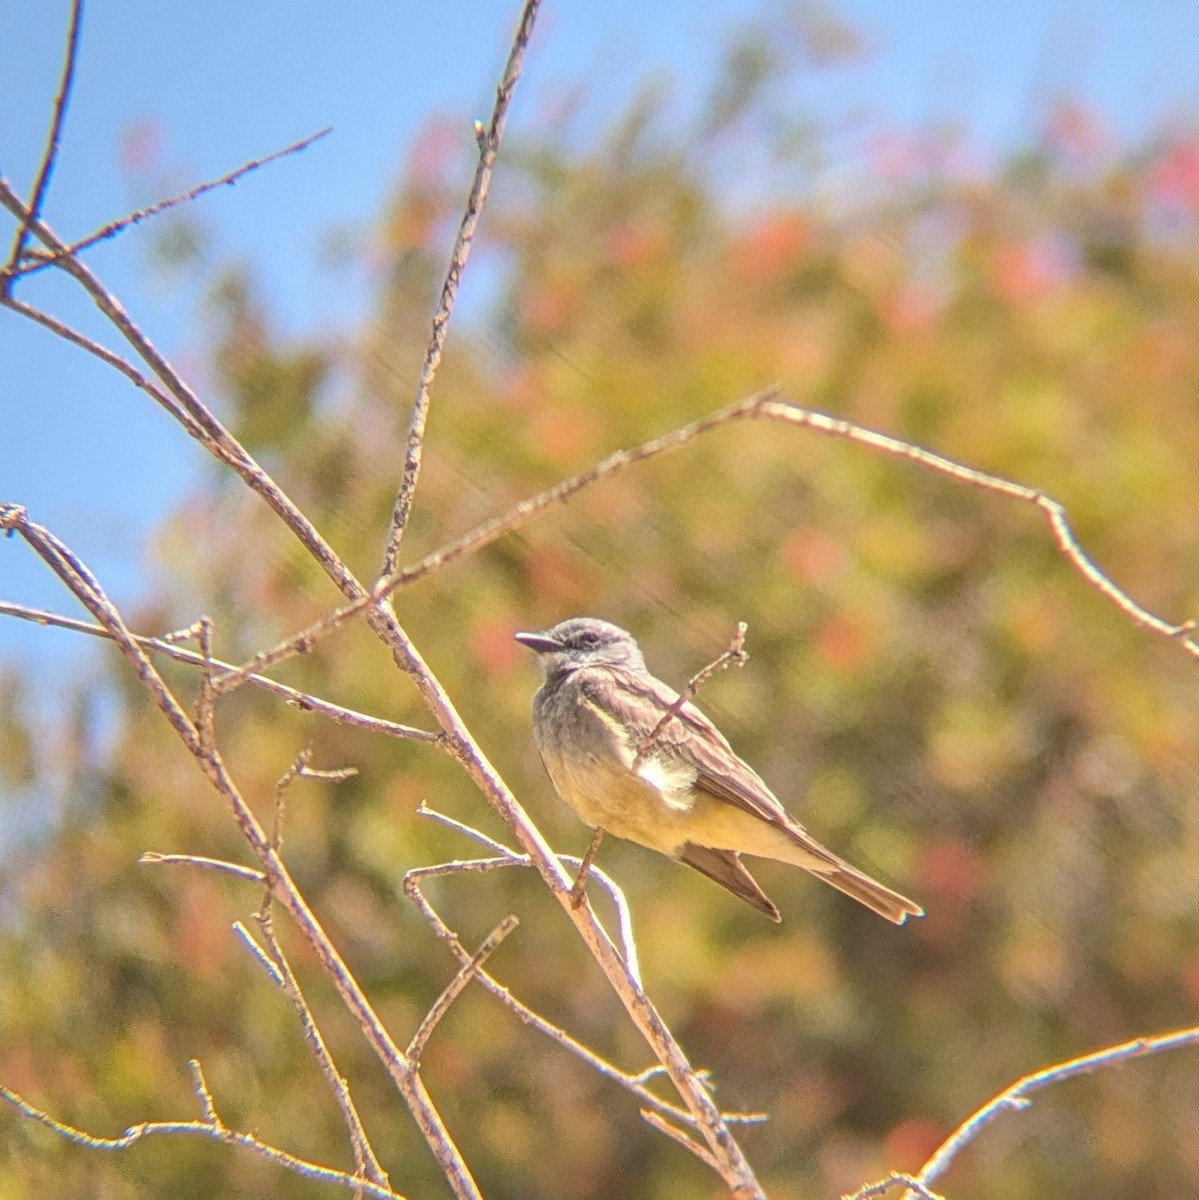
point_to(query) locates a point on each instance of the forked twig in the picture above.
(366, 1162)
(247, 874)
(83, 584)
(468, 971)
(662, 1125)
(210, 1126)
(624, 918)
(199, 422)
(301, 768)
(895, 1179)
(1015, 1097)
(763, 405)
(634, 1083)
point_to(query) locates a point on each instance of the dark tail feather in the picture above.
(726, 868)
(869, 892)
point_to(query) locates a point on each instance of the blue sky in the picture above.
(225, 82)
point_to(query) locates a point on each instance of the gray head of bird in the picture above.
(583, 642)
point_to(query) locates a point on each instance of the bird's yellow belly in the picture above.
(608, 795)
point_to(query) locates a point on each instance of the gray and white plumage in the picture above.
(691, 797)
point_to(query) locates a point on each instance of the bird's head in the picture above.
(583, 642)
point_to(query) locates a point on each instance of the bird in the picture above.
(682, 790)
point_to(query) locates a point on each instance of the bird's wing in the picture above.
(727, 869)
(638, 702)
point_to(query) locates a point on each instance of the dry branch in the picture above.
(210, 1126)
(80, 581)
(734, 654)
(1016, 1098)
(44, 260)
(297, 699)
(634, 1083)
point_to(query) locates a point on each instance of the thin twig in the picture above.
(106, 356)
(41, 184)
(204, 1128)
(115, 227)
(264, 960)
(181, 401)
(489, 144)
(578, 891)
(206, 700)
(451, 992)
(1015, 1097)
(895, 1179)
(295, 698)
(366, 1162)
(201, 424)
(247, 874)
(204, 1094)
(300, 769)
(734, 654)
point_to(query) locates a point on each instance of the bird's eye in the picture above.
(591, 639)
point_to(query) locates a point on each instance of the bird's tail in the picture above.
(867, 891)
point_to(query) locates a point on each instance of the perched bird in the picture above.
(685, 794)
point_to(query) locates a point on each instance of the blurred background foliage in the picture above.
(930, 687)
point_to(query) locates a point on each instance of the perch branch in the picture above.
(634, 1083)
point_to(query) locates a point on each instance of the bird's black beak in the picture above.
(541, 642)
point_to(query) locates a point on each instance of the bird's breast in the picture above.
(589, 756)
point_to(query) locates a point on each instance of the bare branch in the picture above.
(109, 357)
(183, 403)
(762, 405)
(264, 960)
(207, 1128)
(113, 228)
(300, 769)
(80, 581)
(1015, 1097)
(50, 155)
(734, 654)
(895, 1179)
(456, 986)
(207, 1104)
(366, 1161)
(634, 1083)
(578, 891)
(203, 425)
(489, 144)
(297, 699)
